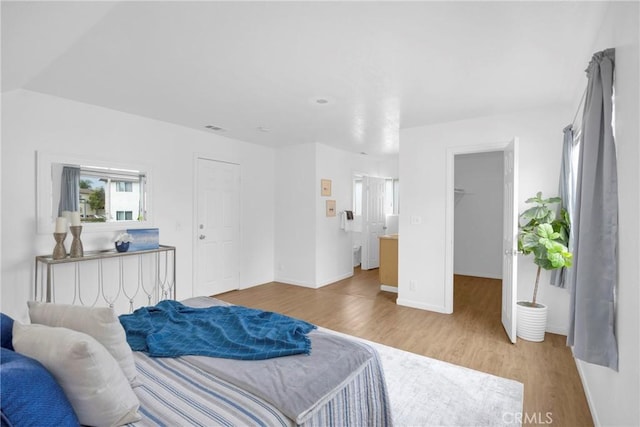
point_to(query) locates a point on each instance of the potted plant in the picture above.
(546, 237)
(122, 242)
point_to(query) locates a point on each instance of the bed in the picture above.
(339, 383)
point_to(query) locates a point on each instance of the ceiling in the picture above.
(262, 70)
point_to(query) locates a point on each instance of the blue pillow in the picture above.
(30, 395)
(6, 331)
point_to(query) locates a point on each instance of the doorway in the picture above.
(509, 229)
(373, 221)
(217, 227)
(478, 214)
(375, 209)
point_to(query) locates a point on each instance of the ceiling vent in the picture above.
(215, 128)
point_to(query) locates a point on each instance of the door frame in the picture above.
(450, 203)
(194, 220)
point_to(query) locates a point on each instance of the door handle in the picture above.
(511, 252)
(202, 237)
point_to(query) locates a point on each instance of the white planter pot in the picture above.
(532, 322)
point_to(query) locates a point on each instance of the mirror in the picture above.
(107, 195)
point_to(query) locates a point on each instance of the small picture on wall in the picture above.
(325, 185)
(331, 208)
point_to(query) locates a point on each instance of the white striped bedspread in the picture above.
(174, 392)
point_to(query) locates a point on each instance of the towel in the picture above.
(345, 224)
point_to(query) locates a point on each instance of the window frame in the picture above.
(48, 191)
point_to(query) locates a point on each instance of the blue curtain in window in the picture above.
(69, 190)
(594, 278)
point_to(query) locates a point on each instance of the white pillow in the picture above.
(90, 377)
(100, 322)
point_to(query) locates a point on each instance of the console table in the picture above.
(164, 285)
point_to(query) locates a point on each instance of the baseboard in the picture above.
(478, 274)
(335, 279)
(388, 288)
(252, 285)
(422, 306)
(587, 392)
(556, 329)
(288, 281)
(247, 286)
(304, 284)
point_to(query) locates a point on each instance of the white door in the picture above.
(217, 228)
(510, 240)
(372, 220)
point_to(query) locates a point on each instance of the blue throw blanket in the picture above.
(171, 329)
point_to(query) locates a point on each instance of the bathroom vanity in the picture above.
(389, 262)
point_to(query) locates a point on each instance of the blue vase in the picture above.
(122, 246)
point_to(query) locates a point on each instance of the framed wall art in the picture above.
(325, 187)
(331, 208)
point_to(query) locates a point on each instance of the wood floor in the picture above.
(472, 336)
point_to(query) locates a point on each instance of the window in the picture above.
(391, 200)
(98, 211)
(357, 197)
(124, 215)
(111, 195)
(124, 186)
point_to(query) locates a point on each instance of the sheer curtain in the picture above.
(595, 223)
(69, 190)
(559, 277)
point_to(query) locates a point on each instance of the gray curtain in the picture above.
(559, 277)
(69, 190)
(594, 280)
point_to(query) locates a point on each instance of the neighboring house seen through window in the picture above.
(124, 186)
(110, 195)
(124, 215)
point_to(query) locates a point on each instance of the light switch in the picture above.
(416, 219)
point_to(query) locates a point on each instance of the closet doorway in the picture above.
(466, 252)
(477, 243)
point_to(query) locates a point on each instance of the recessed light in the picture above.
(263, 129)
(363, 153)
(321, 100)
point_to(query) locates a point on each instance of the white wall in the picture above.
(32, 122)
(334, 255)
(478, 215)
(423, 174)
(614, 396)
(310, 248)
(295, 215)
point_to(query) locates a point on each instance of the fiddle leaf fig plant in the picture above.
(544, 236)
